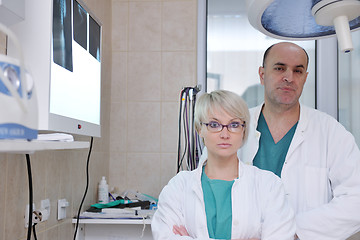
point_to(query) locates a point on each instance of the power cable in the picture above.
(34, 231)
(86, 188)
(30, 196)
(190, 150)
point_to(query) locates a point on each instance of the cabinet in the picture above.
(114, 229)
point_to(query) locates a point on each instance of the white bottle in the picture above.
(103, 193)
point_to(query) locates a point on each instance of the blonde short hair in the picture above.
(223, 100)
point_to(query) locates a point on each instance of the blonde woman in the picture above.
(223, 198)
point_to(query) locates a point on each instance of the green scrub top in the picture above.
(217, 198)
(271, 156)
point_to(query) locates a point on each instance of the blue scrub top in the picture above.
(217, 198)
(271, 156)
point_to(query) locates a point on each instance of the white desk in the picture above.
(114, 229)
(24, 146)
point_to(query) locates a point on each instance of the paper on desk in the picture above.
(117, 213)
(62, 137)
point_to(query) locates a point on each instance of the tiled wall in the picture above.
(153, 58)
(149, 55)
(57, 174)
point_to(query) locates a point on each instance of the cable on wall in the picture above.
(188, 154)
(86, 188)
(30, 196)
(34, 232)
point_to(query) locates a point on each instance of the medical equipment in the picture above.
(187, 133)
(306, 19)
(19, 116)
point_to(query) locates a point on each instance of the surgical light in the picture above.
(306, 19)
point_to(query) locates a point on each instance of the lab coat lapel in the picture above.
(198, 206)
(247, 152)
(298, 137)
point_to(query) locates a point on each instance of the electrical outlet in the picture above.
(39, 215)
(27, 215)
(45, 209)
(62, 205)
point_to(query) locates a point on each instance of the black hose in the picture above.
(30, 196)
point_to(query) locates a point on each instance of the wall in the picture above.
(149, 55)
(57, 174)
(153, 58)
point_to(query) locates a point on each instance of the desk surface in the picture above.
(112, 221)
(23, 146)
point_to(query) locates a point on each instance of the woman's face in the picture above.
(224, 143)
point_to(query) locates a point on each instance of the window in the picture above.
(349, 88)
(235, 51)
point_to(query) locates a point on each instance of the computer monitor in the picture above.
(61, 41)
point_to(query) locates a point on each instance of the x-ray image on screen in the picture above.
(80, 25)
(62, 39)
(94, 38)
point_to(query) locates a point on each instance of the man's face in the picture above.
(284, 74)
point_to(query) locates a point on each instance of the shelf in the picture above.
(24, 146)
(112, 221)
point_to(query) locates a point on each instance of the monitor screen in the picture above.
(61, 44)
(75, 64)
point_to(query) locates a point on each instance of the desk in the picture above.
(23, 146)
(113, 229)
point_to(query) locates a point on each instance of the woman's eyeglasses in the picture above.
(234, 127)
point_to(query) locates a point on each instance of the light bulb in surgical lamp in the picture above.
(306, 19)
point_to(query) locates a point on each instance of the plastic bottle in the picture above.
(103, 193)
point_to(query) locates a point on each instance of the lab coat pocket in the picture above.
(316, 186)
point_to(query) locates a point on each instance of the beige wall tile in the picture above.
(78, 173)
(3, 186)
(102, 144)
(106, 74)
(161, 61)
(39, 164)
(119, 76)
(145, 26)
(16, 195)
(169, 126)
(52, 187)
(168, 167)
(144, 76)
(52, 233)
(98, 169)
(65, 178)
(355, 237)
(120, 25)
(179, 26)
(145, 0)
(119, 127)
(144, 172)
(118, 173)
(143, 127)
(66, 230)
(179, 71)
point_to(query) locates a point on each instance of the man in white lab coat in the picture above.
(316, 158)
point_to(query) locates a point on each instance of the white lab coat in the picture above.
(321, 175)
(259, 207)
